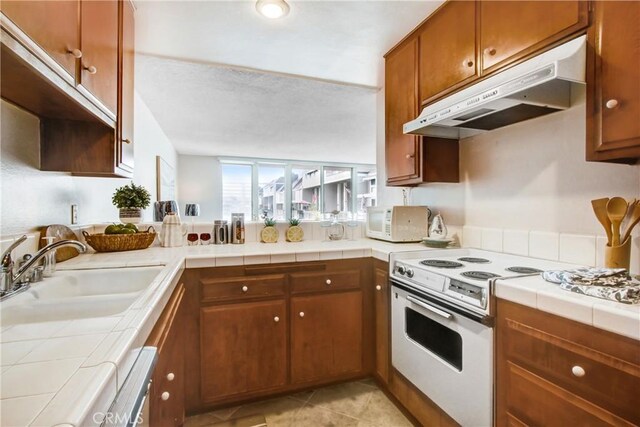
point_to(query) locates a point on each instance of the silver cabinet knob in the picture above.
(578, 371)
(302, 314)
(409, 156)
(165, 395)
(170, 376)
(245, 288)
(91, 69)
(467, 63)
(378, 287)
(612, 103)
(328, 281)
(76, 53)
(490, 51)
(276, 319)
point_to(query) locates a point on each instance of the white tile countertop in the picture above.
(62, 372)
(535, 292)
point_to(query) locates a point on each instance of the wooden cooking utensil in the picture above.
(616, 210)
(60, 232)
(634, 219)
(600, 209)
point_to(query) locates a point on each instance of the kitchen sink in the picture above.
(78, 294)
(79, 283)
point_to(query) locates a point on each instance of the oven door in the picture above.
(446, 354)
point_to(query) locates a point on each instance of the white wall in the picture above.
(200, 181)
(32, 198)
(530, 175)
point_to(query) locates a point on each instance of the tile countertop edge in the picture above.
(534, 292)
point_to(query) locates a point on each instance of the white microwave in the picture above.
(398, 223)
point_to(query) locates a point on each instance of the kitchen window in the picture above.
(305, 190)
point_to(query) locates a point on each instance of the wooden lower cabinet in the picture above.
(382, 305)
(166, 395)
(326, 336)
(244, 348)
(553, 371)
(258, 330)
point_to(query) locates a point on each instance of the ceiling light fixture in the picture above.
(272, 9)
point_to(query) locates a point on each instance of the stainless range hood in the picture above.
(538, 86)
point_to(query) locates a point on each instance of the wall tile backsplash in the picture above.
(570, 248)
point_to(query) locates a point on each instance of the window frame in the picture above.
(289, 165)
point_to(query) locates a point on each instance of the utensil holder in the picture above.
(618, 256)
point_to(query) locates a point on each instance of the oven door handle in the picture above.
(429, 307)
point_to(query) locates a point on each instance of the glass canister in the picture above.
(220, 232)
(336, 229)
(237, 228)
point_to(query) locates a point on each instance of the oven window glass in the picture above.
(436, 338)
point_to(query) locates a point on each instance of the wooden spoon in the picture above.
(600, 208)
(616, 210)
(634, 219)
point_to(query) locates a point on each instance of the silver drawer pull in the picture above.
(429, 307)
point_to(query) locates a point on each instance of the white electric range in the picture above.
(442, 324)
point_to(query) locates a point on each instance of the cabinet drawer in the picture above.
(324, 281)
(242, 287)
(603, 379)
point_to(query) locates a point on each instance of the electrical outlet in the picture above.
(74, 214)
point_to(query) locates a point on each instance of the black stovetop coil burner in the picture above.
(440, 263)
(523, 270)
(474, 260)
(479, 275)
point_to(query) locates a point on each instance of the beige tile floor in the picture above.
(358, 403)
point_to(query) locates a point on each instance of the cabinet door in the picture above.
(512, 29)
(448, 49)
(326, 336)
(402, 152)
(613, 82)
(243, 348)
(166, 395)
(382, 305)
(99, 69)
(126, 83)
(53, 25)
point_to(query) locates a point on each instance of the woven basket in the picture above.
(120, 242)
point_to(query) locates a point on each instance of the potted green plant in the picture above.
(294, 232)
(131, 200)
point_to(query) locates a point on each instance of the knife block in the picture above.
(618, 256)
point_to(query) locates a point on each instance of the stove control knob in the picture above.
(409, 273)
(401, 270)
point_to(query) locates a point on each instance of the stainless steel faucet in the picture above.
(11, 282)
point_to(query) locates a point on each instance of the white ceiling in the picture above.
(335, 40)
(222, 80)
(213, 110)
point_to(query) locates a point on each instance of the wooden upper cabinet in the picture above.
(613, 82)
(510, 30)
(447, 50)
(126, 86)
(402, 152)
(53, 25)
(99, 62)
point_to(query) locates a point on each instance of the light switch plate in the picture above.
(74, 214)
